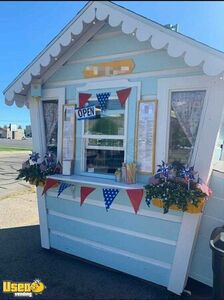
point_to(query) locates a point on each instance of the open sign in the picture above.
(86, 112)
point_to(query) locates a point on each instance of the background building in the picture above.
(14, 133)
(28, 131)
(3, 133)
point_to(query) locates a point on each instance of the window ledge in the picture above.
(218, 166)
(108, 183)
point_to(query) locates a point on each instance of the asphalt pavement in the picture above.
(10, 163)
(27, 143)
(67, 277)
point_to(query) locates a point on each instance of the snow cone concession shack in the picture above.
(119, 98)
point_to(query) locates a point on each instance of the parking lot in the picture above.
(18, 206)
(10, 163)
(26, 143)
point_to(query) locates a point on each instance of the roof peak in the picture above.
(99, 12)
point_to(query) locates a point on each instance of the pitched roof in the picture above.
(158, 36)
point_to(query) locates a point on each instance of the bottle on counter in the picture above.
(123, 172)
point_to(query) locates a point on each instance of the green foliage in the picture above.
(106, 125)
(174, 185)
(174, 192)
(36, 172)
(33, 174)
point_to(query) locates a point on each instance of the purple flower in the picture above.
(50, 159)
(25, 164)
(43, 167)
(34, 156)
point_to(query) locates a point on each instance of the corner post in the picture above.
(38, 146)
(184, 250)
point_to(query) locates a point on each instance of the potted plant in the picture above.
(36, 172)
(174, 187)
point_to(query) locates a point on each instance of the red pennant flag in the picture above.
(83, 98)
(85, 191)
(49, 184)
(136, 197)
(123, 95)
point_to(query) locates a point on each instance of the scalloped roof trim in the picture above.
(176, 44)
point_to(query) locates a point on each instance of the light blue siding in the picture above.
(113, 238)
(155, 61)
(142, 224)
(112, 259)
(109, 46)
(140, 245)
(144, 62)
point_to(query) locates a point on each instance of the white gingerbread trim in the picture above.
(176, 44)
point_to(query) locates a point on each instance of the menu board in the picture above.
(68, 132)
(146, 124)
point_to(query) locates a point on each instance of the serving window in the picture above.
(104, 138)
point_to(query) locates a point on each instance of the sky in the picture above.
(27, 27)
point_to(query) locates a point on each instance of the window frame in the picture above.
(165, 87)
(102, 85)
(112, 137)
(55, 94)
(193, 156)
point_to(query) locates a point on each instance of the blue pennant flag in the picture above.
(109, 196)
(103, 99)
(62, 187)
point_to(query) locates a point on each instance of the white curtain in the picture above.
(50, 111)
(187, 106)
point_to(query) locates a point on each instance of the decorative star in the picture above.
(188, 173)
(164, 169)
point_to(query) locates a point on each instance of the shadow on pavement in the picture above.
(66, 277)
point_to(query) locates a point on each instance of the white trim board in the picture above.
(44, 232)
(201, 158)
(183, 254)
(53, 94)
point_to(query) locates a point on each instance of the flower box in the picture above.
(34, 182)
(192, 209)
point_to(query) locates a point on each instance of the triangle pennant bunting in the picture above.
(83, 98)
(135, 197)
(62, 187)
(103, 99)
(123, 95)
(49, 184)
(84, 192)
(109, 196)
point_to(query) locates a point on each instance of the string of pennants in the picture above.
(109, 194)
(88, 111)
(104, 97)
